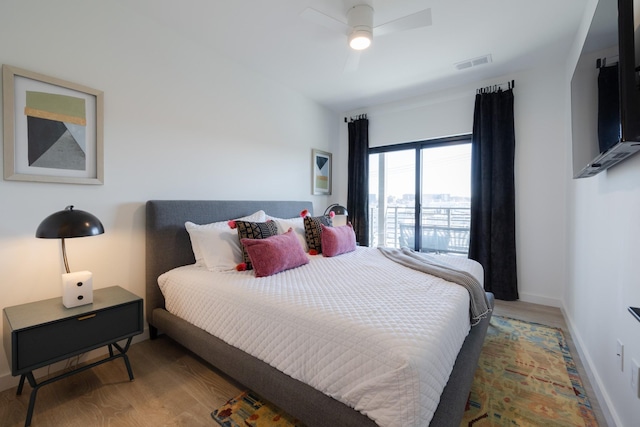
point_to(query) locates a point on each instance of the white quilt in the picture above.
(380, 337)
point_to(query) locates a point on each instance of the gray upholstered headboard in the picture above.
(167, 241)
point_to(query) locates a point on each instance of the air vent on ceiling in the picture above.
(486, 59)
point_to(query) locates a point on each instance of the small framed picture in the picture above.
(321, 172)
(53, 129)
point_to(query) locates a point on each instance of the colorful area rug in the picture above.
(249, 410)
(526, 377)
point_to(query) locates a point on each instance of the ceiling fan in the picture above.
(360, 30)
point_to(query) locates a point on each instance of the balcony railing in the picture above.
(444, 229)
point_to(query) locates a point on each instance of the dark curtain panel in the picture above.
(493, 224)
(358, 182)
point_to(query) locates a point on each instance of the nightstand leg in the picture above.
(32, 404)
(128, 365)
(20, 385)
(32, 399)
(32, 382)
(123, 353)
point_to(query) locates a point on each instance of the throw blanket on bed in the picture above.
(435, 266)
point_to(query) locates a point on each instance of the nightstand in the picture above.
(41, 333)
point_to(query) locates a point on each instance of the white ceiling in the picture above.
(270, 37)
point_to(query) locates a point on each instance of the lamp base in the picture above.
(339, 220)
(77, 289)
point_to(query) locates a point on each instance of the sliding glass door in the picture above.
(392, 196)
(446, 198)
(421, 189)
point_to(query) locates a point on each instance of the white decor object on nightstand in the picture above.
(77, 288)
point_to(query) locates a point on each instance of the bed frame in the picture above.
(168, 246)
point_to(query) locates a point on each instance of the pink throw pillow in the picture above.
(338, 240)
(275, 254)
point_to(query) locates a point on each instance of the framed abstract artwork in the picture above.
(321, 172)
(53, 129)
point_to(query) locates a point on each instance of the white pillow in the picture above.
(216, 245)
(298, 227)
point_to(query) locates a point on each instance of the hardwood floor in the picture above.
(173, 387)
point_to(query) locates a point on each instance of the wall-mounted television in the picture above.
(605, 90)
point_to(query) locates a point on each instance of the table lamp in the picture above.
(338, 211)
(77, 287)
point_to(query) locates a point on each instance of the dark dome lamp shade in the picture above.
(69, 223)
(336, 209)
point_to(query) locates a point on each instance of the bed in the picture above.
(168, 246)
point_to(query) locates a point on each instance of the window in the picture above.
(421, 189)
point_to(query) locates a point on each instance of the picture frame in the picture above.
(53, 129)
(321, 170)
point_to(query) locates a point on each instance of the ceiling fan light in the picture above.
(360, 39)
(360, 19)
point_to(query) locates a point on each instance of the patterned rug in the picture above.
(249, 410)
(526, 377)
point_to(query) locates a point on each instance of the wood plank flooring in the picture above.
(173, 387)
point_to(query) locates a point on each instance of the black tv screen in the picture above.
(609, 129)
(629, 48)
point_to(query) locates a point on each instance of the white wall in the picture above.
(180, 122)
(602, 280)
(539, 107)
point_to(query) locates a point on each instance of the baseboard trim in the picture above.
(8, 381)
(537, 299)
(611, 417)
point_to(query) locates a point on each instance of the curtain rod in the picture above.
(602, 62)
(497, 87)
(358, 117)
(487, 89)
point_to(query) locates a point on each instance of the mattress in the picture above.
(375, 335)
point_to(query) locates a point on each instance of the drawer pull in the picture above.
(89, 316)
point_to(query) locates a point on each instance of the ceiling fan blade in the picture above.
(326, 21)
(353, 60)
(409, 22)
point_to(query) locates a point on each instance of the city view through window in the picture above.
(444, 198)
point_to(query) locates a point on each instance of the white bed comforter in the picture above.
(375, 335)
